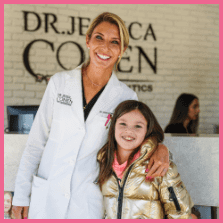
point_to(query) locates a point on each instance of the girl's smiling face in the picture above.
(7, 202)
(105, 45)
(130, 130)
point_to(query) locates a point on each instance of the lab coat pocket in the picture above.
(37, 209)
(103, 124)
(105, 121)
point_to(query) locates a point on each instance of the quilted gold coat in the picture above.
(136, 198)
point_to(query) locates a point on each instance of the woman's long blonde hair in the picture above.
(113, 19)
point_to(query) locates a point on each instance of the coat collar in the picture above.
(111, 92)
(74, 85)
(146, 150)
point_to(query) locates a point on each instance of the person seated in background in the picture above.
(185, 117)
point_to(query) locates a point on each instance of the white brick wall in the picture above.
(187, 42)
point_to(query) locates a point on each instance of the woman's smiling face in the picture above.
(105, 45)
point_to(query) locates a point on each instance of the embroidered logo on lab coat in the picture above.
(64, 99)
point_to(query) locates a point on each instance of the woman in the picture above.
(70, 127)
(185, 115)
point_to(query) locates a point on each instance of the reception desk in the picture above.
(197, 159)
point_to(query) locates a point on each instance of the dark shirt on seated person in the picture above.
(176, 128)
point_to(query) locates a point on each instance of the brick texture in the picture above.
(187, 43)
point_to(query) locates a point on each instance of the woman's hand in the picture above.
(19, 212)
(159, 163)
(193, 216)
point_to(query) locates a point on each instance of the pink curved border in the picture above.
(96, 2)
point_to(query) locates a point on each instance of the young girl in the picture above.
(122, 169)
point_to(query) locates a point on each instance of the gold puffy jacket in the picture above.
(136, 198)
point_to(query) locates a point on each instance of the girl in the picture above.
(185, 115)
(122, 162)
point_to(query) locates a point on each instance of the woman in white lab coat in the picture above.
(59, 166)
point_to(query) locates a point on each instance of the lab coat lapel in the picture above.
(111, 91)
(74, 83)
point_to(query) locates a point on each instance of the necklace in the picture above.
(93, 82)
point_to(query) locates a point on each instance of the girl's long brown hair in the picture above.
(107, 152)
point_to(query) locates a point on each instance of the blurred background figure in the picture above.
(7, 204)
(185, 117)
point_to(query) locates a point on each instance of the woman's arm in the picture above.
(34, 148)
(159, 158)
(19, 212)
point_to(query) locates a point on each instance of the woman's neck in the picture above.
(98, 75)
(185, 123)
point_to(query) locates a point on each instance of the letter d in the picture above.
(26, 21)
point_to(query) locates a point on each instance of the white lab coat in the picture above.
(59, 165)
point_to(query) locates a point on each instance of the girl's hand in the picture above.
(159, 163)
(19, 212)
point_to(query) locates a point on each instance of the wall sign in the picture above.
(49, 23)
